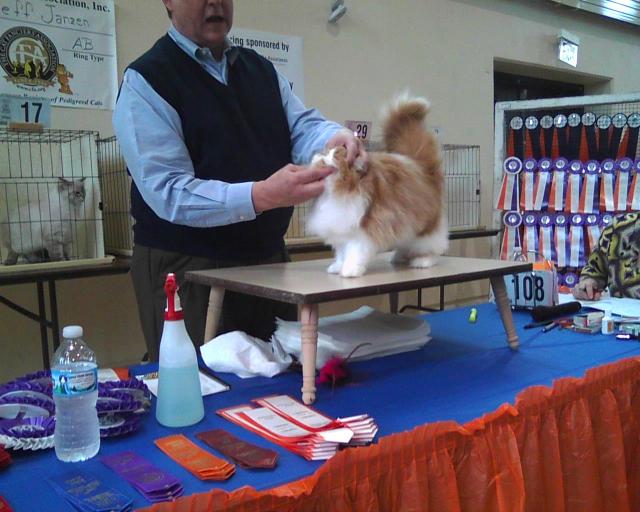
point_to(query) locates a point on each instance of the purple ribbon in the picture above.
(561, 163)
(512, 165)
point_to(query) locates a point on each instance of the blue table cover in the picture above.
(465, 371)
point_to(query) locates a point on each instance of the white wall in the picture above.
(444, 49)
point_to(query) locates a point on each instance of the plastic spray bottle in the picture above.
(179, 396)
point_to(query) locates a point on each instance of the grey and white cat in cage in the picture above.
(39, 227)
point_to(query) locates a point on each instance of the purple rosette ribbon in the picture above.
(608, 166)
(576, 167)
(509, 190)
(512, 165)
(23, 406)
(511, 235)
(576, 241)
(530, 164)
(545, 239)
(561, 163)
(117, 401)
(34, 427)
(606, 219)
(570, 279)
(607, 182)
(624, 167)
(561, 239)
(528, 182)
(589, 194)
(118, 424)
(572, 200)
(42, 377)
(592, 223)
(530, 241)
(545, 164)
(134, 387)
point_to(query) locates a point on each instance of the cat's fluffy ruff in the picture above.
(395, 203)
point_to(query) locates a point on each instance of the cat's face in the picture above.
(347, 176)
(74, 189)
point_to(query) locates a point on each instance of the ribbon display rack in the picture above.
(564, 167)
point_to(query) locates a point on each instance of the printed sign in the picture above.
(63, 50)
(14, 109)
(284, 52)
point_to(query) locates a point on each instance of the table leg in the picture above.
(44, 338)
(214, 310)
(55, 324)
(393, 302)
(309, 335)
(504, 308)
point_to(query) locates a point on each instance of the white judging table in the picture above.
(308, 284)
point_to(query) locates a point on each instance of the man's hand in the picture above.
(355, 148)
(291, 185)
(587, 289)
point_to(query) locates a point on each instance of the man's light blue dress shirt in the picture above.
(150, 136)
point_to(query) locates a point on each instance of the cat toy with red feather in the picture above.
(334, 371)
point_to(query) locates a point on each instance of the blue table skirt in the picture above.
(465, 371)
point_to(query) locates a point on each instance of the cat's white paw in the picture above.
(423, 261)
(334, 268)
(352, 270)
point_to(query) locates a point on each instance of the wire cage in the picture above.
(115, 183)
(461, 165)
(563, 168)
(49, 197)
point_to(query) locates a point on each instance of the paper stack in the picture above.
(338, 335)
(299, 428)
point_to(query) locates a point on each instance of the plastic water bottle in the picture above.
(75, 391)
(179, 394)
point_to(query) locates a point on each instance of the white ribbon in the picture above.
(606, 192)
(542, 182)
(634, 193)
(546, 249)
(561, 245)
(588, 193)
(527, 191)
(556, 200)
(622, 191)
(505, 199)
(593, 235)
(575, 243)
(572, 203)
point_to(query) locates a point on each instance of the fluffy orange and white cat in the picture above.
(395, 202)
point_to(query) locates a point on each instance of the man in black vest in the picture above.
(209, 131)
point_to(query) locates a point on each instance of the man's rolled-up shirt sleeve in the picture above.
(150, 136)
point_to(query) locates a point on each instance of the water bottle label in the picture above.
(74, 383)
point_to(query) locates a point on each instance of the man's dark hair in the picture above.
(168, 12)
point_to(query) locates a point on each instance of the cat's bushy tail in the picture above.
(404, 132)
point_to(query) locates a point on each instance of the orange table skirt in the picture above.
(570, 448)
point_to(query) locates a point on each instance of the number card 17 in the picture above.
(530, 289)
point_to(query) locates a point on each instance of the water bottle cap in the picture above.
(72, 331)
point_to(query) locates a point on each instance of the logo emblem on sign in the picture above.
(30, 59)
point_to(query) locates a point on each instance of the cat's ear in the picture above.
(62, 183)
(82, 179)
